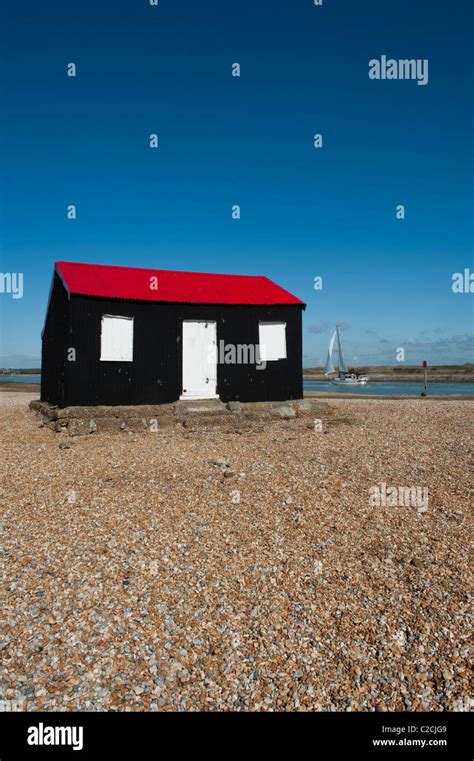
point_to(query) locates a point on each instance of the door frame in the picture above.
(189, 396)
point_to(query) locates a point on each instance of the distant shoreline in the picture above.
(382, 378)
(6, 373)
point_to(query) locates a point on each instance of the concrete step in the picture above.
(201, 407)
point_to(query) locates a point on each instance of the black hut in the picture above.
(123, 335)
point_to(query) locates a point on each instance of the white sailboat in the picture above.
(344, 377)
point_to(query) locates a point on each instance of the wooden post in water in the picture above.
(425, 369)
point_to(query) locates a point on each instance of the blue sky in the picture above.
(305, 212)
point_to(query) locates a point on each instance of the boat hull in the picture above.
(348, 383)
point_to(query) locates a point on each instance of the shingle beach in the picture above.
(241, 570)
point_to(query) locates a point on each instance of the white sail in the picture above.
(329, 363)
(342, 363)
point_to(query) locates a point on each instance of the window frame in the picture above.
(131, 320)
(261, 343)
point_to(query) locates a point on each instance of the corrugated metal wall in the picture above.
(155, 376)
(53, 349)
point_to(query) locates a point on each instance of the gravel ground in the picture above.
(224, 571)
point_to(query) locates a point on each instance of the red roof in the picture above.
(110, 282)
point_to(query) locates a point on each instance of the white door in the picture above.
(199, 360)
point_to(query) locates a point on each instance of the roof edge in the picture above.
(293, 300)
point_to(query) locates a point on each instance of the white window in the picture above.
(116, 339)
(272, 340)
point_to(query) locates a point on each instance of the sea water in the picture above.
(21, 378)
(390, 389)
(371, 389)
